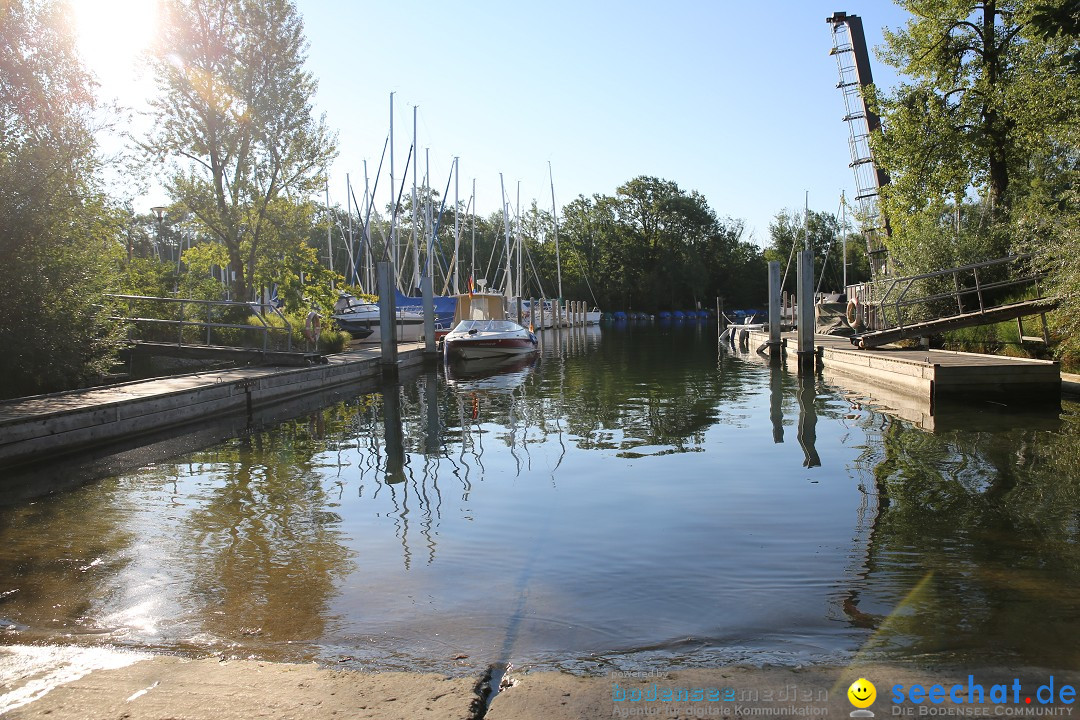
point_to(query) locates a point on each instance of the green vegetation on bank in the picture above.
(980, 140)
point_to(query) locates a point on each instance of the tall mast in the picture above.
(367, 234)
(457, 225)
(415, 228)
(472, 262)
(393, 215)
(329, 240)
(517, 233)
(429, 223)
(508, 289)
(555, 219)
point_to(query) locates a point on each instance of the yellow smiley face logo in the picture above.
(862, 693)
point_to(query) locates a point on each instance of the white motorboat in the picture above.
(362, 320)
(472, 339)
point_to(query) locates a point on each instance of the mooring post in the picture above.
(805, 310)
(387, 322)
(774, 308)
(427, 289)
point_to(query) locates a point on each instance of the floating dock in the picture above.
(45, 426)
(917, 380)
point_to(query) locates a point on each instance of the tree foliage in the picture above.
(58, 237)
(982, 125)
(790, 229)
(235, 120)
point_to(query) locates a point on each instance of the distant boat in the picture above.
(362, 319)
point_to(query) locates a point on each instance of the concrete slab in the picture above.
(151, 688)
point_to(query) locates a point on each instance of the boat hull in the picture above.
(471, 349)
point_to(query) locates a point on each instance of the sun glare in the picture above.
(112, 38)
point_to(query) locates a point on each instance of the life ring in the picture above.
(312, 326)
(852, 311)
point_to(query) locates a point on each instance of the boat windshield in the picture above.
(486, 326)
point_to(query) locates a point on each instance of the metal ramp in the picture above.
(967, 296)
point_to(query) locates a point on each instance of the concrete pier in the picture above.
(46, 426)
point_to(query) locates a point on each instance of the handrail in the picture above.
(895, 298)
(254, 308)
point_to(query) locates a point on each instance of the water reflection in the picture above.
(808, 420)
(626, 498)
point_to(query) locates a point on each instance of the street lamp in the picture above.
(159, 213)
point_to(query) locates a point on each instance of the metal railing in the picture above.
(893, 303)
(256, 310)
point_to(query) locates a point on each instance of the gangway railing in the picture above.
(181, 322)
(974, 294)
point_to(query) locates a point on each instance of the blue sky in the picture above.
(734, 101)
(737, 103)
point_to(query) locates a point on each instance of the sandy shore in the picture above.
(89, 684)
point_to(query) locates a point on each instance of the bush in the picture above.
(331, 339)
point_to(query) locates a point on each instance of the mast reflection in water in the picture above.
(628, 497)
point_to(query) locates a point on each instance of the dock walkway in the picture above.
(934, 374)
(46, 425)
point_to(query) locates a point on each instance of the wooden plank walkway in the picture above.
(935, 374)
(45, 425)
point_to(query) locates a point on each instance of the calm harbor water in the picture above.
(631, 498)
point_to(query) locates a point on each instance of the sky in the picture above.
(737, 103)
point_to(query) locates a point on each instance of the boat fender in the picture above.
(313, 326)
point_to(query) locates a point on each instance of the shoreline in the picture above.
(62, 682)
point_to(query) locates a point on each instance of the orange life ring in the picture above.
(313, 326)
(852, 311)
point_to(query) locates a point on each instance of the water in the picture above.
(631, 499)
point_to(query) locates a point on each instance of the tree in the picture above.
(59, 239)
(788, 230)
(235, 120)
(982, 123)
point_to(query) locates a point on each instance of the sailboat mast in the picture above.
(555, 219)
(368, 201)
(329, 238)
(508, 289)
(415, 229)
(428, 207)
(457, 224)
(472, 262)
(517, 233)
(393, 205)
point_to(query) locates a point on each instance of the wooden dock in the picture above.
(918, 379)
(45, 426)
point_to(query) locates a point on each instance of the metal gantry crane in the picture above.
(853, 64)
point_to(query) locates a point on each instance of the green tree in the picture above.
(980, 125)
(60, 242)
(235, 120)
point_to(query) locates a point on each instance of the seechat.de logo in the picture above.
(862, 694)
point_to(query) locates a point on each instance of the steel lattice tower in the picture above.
(853, 63)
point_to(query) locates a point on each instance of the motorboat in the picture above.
(471, 339)
(361, 319)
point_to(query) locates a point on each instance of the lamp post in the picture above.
(159, 213)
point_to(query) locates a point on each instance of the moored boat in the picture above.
(471, 339)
